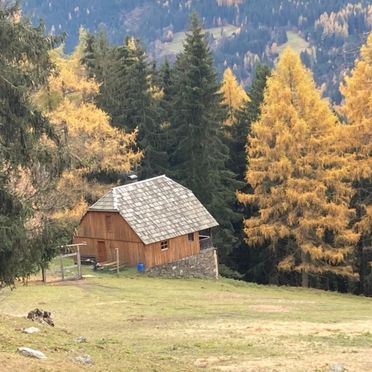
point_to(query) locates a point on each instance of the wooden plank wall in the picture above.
(116, 233)
(93, 225)
(178, 248)
(129, 253)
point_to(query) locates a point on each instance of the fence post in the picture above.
(117, 261)
(78, 259)
(216, 262)
(62, 269)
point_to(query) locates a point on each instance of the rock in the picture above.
(84, 359)
(81, 339)
(31, 330)
(337, 367)
(28, 352)
(41, 316)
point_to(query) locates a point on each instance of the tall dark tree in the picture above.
(97, 55)
(129, 95)
(24, 66)
(253, 264)
(247, 115)
(199, 155)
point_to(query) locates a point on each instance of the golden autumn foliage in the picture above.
(92, 143)
(357, 135)
(296, 170)
(234, 95)
(357, 108)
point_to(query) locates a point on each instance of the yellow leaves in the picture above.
(357, 88)
(73, 214)
(365, 224)
(156, 92)
(357, 108)
(288, 264)
(92, 143)
(71, 79)
(297, 172)
(234, 95)
(84, 117)
(246, 198)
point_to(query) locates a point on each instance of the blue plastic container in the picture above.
(141, 267)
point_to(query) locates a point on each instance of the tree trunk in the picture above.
(305, 279)
(43, 274)
(304, 274)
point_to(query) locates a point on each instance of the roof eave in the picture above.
(103, 210)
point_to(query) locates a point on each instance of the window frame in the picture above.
(164, 245)
(191, 237)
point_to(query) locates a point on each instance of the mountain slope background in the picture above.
(242, 33)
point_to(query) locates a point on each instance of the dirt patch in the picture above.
(320, 363)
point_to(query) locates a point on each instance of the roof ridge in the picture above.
(137, 182)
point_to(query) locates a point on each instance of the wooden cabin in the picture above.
(154, 222)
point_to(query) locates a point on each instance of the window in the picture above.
(108, 224)
(164, 245)
(190, 237)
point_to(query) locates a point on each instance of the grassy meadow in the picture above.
(295, 42)
(136, 323)
(176, 45)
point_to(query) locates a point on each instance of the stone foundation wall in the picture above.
(204, 265)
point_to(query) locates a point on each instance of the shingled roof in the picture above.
(157, 209)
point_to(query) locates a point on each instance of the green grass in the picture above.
(295, 41)
(176, 45)
(136, 323)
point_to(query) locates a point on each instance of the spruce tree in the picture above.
(296, 170)
(199, 155)
(253, 263)
(132, 102)
(25, 236)
(247, 114)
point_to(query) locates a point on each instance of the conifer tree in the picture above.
(93, 145)
(234, 95)
(247, 114)
(253, 263)
(134, 103)
(296, 171)
(24, 65)
(357, 140)
(199, 155)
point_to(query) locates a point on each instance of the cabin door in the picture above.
(101, 252)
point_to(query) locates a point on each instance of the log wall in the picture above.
(178, 248)
(105, 231)
(106, 226)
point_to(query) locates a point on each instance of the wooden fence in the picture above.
(66, 251)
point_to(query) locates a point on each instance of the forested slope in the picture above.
(334, 29)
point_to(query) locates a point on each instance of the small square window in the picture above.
(164, 245)
(191, 237)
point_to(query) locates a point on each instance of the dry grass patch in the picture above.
(139, 324)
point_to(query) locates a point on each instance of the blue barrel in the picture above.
(141, 267)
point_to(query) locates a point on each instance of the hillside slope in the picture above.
(138, 323)
(334, 29)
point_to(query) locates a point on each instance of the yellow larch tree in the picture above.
(357, 135)
(296, 171)
(234, 95)
(93, 145)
